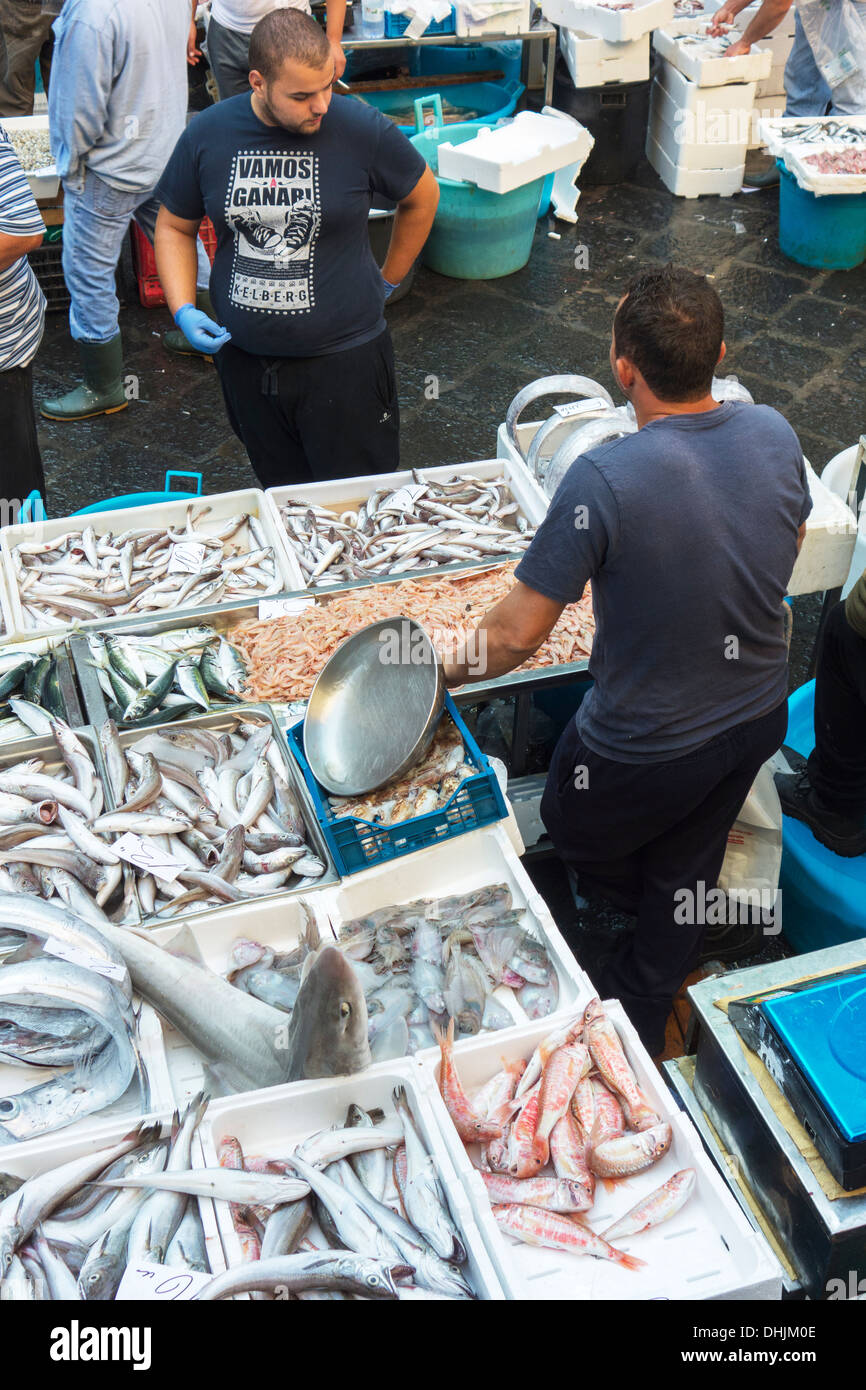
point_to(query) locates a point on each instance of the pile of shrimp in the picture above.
(285, 655)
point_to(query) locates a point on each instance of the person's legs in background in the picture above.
(806, 91)
(22, 467)
(228, 55)
(26, 31)
(96, 217)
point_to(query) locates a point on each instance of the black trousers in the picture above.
(21, 469)
(305, 419)
(837, 767)
(641, 833)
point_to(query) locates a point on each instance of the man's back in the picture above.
(689, 534)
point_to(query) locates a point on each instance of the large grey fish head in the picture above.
(377, 1277)
(332, 1018)
(99, 1280)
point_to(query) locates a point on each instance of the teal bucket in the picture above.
(827, 232)
(476, 235)
(34, 507)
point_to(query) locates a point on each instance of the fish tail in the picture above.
(627, 1261)
(609, 1184)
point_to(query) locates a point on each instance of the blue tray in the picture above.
(824, 1029)
(397, 24)
(358, 844)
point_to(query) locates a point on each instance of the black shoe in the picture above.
(844, 835)
(731, 941)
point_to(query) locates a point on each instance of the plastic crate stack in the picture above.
(701, 106)
(770, 91)
(150, 291)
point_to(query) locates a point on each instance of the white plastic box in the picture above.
(708, 111)
(593, 61)
(161, 514)
(671, 128)
(794, 153)
(772, 107)
(774, 85)
(709, 71)
(271, 1124)
(707, 1251)
(529, 147)
(28, 1161)
(831, 535)
(618, 26)
(692, 183)
(44, 182)
(511, 18)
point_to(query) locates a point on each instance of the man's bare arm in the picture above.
(507, 636)
(412, 223)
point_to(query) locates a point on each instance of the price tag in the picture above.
(160, 1284)
(283, 607)
(404, 498)
(146, 857)
(187, 557)
(582, 407)
(114, 970)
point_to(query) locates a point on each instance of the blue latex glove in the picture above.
(199, 330)
(389, 288)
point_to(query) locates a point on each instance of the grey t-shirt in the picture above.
(687, 532)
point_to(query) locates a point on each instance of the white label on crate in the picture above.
(404, 498)
(144, 855)
(582, 407)
(113, 969)
(283, 607)
(187, 557)
(160, 1283)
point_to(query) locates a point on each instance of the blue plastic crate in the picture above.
(358, 844)
(397, 24)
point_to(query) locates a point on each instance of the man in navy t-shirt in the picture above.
(687, 532)
(287, 174)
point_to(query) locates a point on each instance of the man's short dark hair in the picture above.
(671, 325)
(286, 34)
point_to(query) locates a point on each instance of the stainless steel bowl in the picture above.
(374, 708)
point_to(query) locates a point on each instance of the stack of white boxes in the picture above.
(594, 62)
(701, 114)
(770, 91)
(601, 43)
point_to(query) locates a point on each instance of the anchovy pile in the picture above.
(147, 680)
(65, 1002)
(216, 810)
(427, 786)
(361, 1211)
(29, 693)
(82, 575)
(421, 526)
(710, 45)
(68, 1234)
(827, 128)
(423, 962)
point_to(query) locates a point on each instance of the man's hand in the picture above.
(199, 330)
(193, 52)
(339, 57)
(738, 49)
(723, 19)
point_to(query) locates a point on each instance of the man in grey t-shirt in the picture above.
(687, 532)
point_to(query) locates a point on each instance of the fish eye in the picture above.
(372, 1280)
(345, 1008)
(8, 1108)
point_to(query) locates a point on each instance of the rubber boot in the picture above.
(176, 341)
(102, 391)
(768, 179)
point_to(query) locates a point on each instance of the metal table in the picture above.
(360, 37)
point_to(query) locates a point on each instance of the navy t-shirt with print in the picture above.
(294, 275)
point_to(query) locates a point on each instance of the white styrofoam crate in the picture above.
(618, 26)
(126, 1110)
(772, 107)
(705, 107)
(692, 183)
(831, 535)
(785, 29)
(529, 147)
(5, 615)
(793, 153)
(512, 18)
(158, 515)
(593, 61)
(774, 85)
(28, 1161)
(706, 71)
(347, 494)
(272, 1123)
(707, 1251)
(45, 182)
(705, 153)
(459, 866)
(276, 922)
(526, 432)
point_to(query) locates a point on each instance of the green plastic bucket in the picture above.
(828, 232)
(476, 235)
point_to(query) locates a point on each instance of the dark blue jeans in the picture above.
(837, 767)
(641, 833)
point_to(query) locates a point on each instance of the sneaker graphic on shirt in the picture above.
(272, 206)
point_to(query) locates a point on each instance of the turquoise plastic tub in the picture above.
(823, 895)
(492, 101)
(827, 232)
(469, 57)
(34, 508)
(476, 235)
